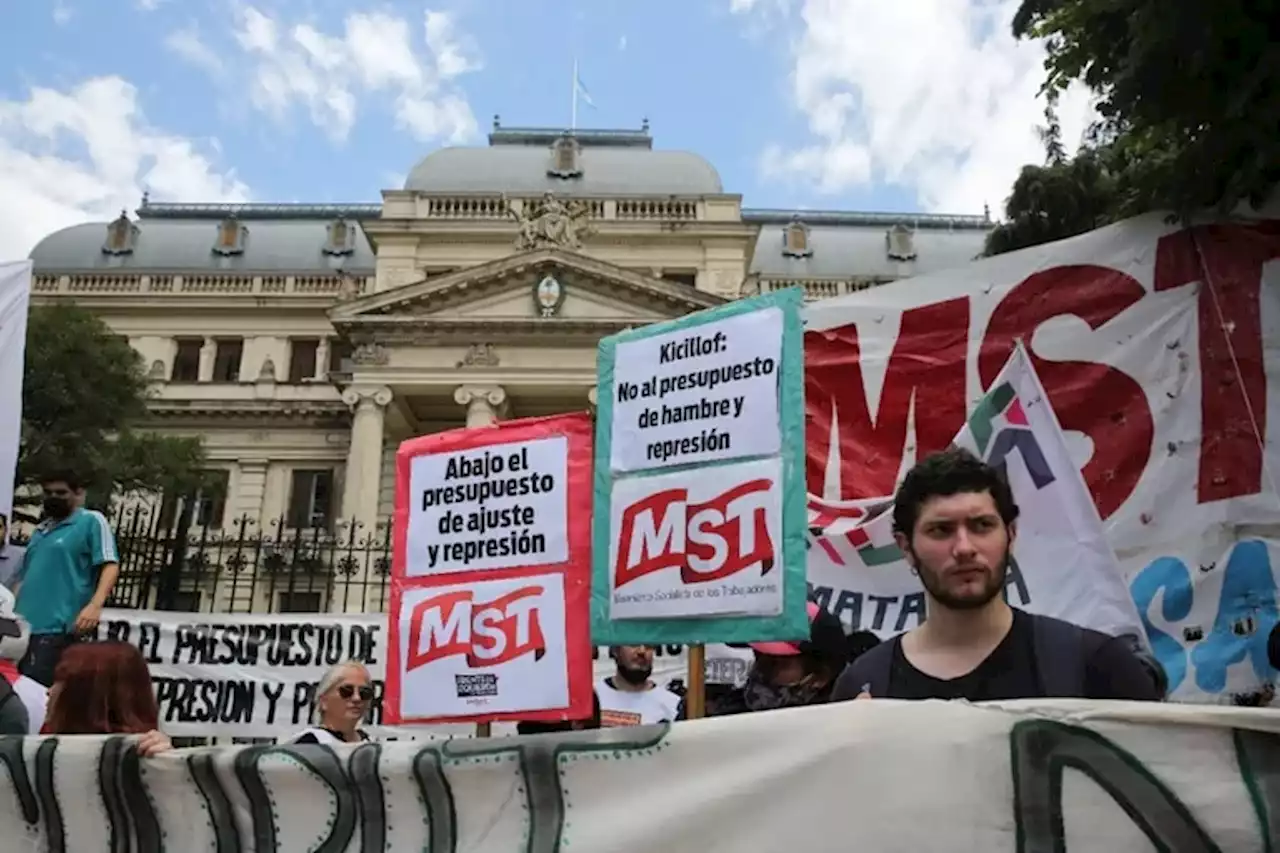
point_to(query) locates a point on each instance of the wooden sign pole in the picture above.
(695, 698)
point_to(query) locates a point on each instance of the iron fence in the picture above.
(172, 564)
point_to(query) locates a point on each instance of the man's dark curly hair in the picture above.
(953, 471)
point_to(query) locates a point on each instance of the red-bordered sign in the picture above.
(491, 573)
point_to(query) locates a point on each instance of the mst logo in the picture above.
(706, 541)
(487, 633)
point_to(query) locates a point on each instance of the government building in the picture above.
(304, 342)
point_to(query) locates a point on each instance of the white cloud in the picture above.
(622, 42)
(332, 75)
(148, 5)
(87, 153)
(61, 13)
(935, 95)
(188, 45)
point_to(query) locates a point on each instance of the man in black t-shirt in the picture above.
(956, 521)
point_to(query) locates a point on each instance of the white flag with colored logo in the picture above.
(1061, 565)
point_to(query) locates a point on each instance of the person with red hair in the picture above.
(105, 689)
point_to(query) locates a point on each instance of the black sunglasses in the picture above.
(346, 691)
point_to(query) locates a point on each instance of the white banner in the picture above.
(1061, 565)
(1159, 350)
(254, 675)
(878, 776)
(15, 298)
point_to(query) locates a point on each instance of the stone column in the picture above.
(485, 403)
(364, 458)
(248, 499)
(208, 353)
(322, 359)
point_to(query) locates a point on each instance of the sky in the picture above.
(900, 106)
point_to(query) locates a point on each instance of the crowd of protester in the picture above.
(954, 518)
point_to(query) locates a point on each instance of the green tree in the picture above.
(1189, 99)
(84, 408)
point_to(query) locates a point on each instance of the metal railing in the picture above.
(166, 564)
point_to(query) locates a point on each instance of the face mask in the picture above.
(57, 507)
(759, 695)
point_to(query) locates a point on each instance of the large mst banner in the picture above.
(1071, 777)
(1156, 346)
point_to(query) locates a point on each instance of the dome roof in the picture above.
(611, 163)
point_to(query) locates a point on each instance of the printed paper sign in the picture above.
(490, 580)
(484, 647)
(493, 507)
(711, 551)
(700, 542)
(706, 392)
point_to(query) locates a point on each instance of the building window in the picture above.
(901, 243)
(230, 240)
(341, 238)
(298, 602)
(311, 499)
(688, 279)
(795, 240)
(226, 360)
(121, 236)
(186, 362)
(302, 359)
(340, 353)
(210, 503)
(564, 158)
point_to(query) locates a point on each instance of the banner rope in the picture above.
(1235, 364)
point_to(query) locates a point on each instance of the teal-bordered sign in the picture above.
(793, 622)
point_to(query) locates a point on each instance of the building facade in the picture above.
(304, 342)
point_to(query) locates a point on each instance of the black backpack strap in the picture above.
(1060, 657)
(869, 673)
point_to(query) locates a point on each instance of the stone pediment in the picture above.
(587, 296)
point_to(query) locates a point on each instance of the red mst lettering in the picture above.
(1098, 400)
(487, 633)
(1227, 261)
(927, 367)
(708, 541)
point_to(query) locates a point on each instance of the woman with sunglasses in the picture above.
(342, 701)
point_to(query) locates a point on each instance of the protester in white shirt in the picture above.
(629, 697)
(343, 697)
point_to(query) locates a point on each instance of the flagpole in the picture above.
(573, 116)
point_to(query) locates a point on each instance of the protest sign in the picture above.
(1061, 564)
(251, 674)
(255, 674)
(699, 496)
(489, 508)
(1076, 777)
(15, 296)
(698, 393)
(1157, 347)
(490, 574)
